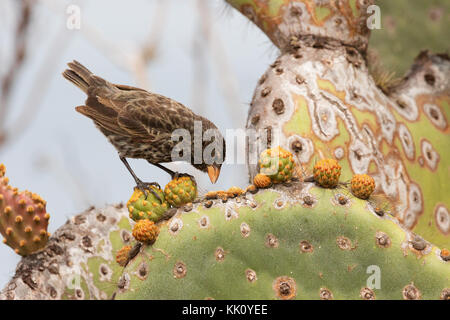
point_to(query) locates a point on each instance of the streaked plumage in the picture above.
(138, 123)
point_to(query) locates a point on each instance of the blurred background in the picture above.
(201, 53)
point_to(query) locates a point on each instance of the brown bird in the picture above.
(139, 123)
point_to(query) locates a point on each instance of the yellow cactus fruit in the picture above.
(2, 170)
(327, 172)
(150, 207)
(234, 192)
(180, 191)
(261, 181)
(122, 255)
(251, 188)
(277, 163)
(362, 185)
(145, 231)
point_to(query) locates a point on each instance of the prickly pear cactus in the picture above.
(23, 218)
(296, 240)
(180, 191)
(318, 100)
(149, 207)
(277, 163)
(272, 245)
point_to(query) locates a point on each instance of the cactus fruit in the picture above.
(150, 207)
(145, 231)
(262, 181)
(180, 191)
(362, 185)
(23, 218)
(234, 192)
(122, 255)
(445, 254)
(277, 163)
(280, 249)
(327, 172)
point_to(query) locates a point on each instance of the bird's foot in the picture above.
(177, 175)
(144, 186)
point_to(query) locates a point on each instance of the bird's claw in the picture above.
(179, 175)
(144, 186)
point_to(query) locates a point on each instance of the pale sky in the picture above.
(61, 155)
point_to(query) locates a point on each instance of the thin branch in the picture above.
(41, 83)
(20, 50)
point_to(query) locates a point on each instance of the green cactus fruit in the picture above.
(180, 191)
(150, 207)
(23, 218)
(362, 185)
(277, 245)
(277, 163)
(327, 172)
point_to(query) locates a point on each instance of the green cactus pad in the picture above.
(150, 207)
(180, 191)
(277, 245)
(277, 163)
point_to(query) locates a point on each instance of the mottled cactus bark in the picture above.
(78, 261)
(342, 22)
(316, 100)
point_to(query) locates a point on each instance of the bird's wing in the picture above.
(155, 116)
(103, 115)
(105, 105)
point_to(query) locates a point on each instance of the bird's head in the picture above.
(213, 151)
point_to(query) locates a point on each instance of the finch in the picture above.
(139, 124)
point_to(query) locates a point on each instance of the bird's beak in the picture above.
(213, 173)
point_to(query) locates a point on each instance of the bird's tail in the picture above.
(79, 75)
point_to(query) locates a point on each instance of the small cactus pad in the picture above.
(261, 181)
(145, 231)
(122, 255)
(23, 218)
(180, 191)
(327, 172)
(277, 163)
(362, 185)
(150, 208)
